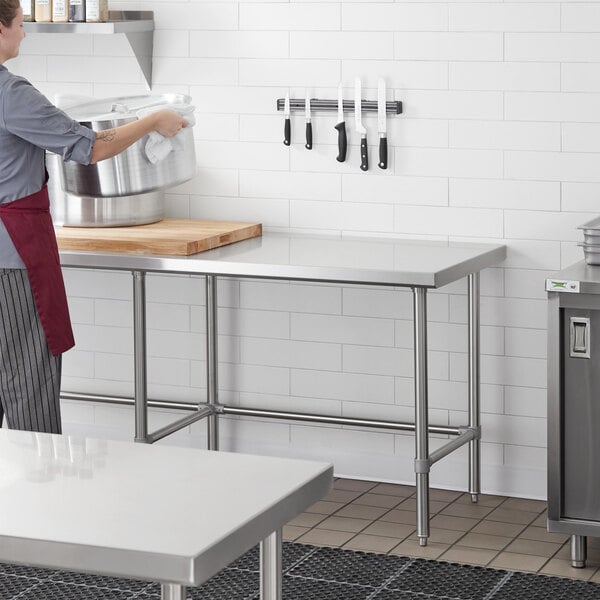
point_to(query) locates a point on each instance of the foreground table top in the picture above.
(152, 512)
(363, 260)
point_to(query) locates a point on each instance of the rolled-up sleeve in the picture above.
(28, 114)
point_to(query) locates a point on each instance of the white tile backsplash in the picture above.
(498, 141)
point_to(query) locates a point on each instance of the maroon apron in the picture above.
(29, 225)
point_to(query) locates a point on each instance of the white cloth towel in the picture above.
(157, 146)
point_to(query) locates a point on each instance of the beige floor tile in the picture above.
(393, 489)
(325, 537)
(361, 511)
(471, 556)
(518, 562)
(596, 577)
(336, 523)
(542, 535)
(506, 515)
(480, 540)
(400, 516)
(307, 520)
(472, 511)
(564, 552)
(396, 530)
(498, 528)
(434, 505)
(411, 547)
(536, 506)
(291, 533)
(563, 568)
(482, 500)
(542, 520)
(444, 495)
(353, 485)
(323, 507)
(456, 523)
(381, 500)
(444, 536)
(343, 496)
(521, 546)
(371, 543)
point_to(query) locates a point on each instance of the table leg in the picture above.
(139, 356)
(172, 591)
(474, 388)
(212, 361)
(578, 551)
(421, 414)
(270, 567)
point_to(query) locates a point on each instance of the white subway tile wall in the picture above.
(499, 141)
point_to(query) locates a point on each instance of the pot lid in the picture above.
(123, 107)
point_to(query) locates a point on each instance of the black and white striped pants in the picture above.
(29, 374)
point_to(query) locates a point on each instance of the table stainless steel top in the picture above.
(155, 512)
(315, 258)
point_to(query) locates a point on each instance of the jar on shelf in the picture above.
(77, 11)
(28, 10)
(43, 10)
(60, 11)
(96, 11)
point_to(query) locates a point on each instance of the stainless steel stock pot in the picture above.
(130, 172)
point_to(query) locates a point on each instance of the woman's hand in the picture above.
(167, 122)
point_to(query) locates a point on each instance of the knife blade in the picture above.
(308, 144)
(341, 127)
(287, 127)
(360, 129)
(381, 124)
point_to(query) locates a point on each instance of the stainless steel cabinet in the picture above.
(574, 405)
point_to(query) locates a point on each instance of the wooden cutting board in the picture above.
(169, 236)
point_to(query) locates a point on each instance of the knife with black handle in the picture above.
(381, 124)
(364, 154)
(342, 141)
(308, 144)
(360, 128)
(287, 126)
(383, 153)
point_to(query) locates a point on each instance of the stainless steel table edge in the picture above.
(178, 571)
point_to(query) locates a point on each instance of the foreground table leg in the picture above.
(474, 388)
(212, 360)
(421, 414)
(270, 567)
(171, 591)
(139, 356)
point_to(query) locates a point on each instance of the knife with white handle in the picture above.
(381, 124)
(360, 129)
(287, 127)
(341, 127)
(308, 144)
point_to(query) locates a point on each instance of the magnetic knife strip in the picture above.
(393, 107)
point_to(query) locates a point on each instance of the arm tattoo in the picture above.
(106, 136)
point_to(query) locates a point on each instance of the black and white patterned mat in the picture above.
(312, 573)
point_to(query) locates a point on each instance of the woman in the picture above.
(35, 328)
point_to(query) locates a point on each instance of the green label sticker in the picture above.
(561, 285)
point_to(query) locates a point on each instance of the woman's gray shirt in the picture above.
(29, 125)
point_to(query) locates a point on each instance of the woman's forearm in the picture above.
(111, 142)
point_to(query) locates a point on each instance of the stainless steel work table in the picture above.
(121, 509)
(419, 265)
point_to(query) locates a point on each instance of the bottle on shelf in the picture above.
(77, 11)
(60, 11)
(96, 11)
(43, 11)
(28, 10)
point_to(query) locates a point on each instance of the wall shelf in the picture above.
(137, 25)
